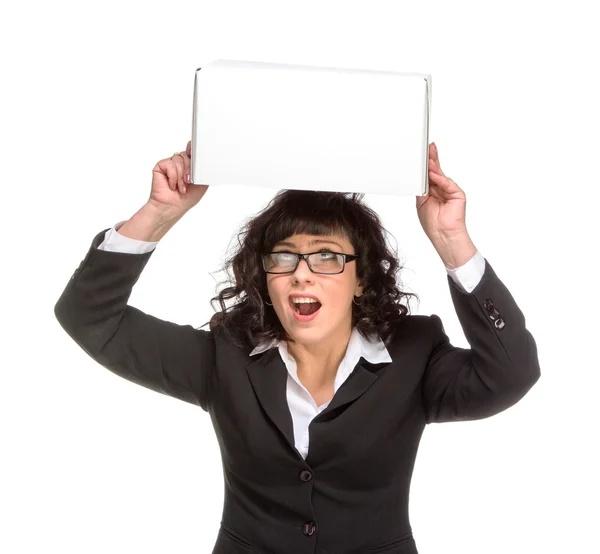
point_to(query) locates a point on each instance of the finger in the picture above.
(435, 156)
(170, 170)
(440, 180)
(183, 165)
(434, 192)
(188, 148)
(435, 168)
(187, 162)
(445, 184)
(179, 165)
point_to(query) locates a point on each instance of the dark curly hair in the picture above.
(249, 321)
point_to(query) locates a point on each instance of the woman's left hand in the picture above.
(442, 211)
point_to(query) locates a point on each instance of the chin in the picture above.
(305, 336)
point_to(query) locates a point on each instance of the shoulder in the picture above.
(413, 322)
(412, 328)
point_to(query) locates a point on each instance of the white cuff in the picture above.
(115, 242)
(468, 275)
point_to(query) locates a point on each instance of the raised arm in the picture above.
(93, 309)
(497, 370)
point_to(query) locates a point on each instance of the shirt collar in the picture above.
(374, 351)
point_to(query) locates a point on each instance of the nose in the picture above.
(303, 271)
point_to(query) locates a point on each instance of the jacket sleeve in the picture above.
(498, 369)
(175, 360)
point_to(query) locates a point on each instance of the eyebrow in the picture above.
(310, 243)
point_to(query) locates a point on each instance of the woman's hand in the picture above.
(171, 187)
(441, 212)
(442, 215)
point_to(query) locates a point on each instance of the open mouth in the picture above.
(305, 310)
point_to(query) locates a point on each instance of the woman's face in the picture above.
(334, 292)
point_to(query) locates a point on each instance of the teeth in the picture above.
(301, 300)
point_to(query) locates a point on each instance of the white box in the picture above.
(314, 128)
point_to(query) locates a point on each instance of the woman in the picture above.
(317, 380)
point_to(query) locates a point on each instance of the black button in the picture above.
(499, 323)
(488, 305)
(309, 528)
(306, 475)
(494, 314)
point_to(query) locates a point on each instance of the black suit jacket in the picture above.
(350, 495)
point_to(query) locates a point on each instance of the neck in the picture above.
(319, 362)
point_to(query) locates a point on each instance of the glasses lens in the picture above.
(280, 262)
(326, 262)
(285, 262)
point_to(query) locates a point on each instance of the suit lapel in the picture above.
(268, 375)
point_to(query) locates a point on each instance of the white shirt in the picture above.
(302, 405)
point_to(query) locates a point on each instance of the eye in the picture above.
(326, 254)
(283, 255)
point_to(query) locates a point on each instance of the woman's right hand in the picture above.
(171, 187)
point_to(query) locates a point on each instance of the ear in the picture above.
(359, 290)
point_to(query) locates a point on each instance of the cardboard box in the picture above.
(314, 128)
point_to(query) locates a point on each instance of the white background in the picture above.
(93, 95)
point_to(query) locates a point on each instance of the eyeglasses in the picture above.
(324, 262)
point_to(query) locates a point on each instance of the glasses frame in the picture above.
(346, 258)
